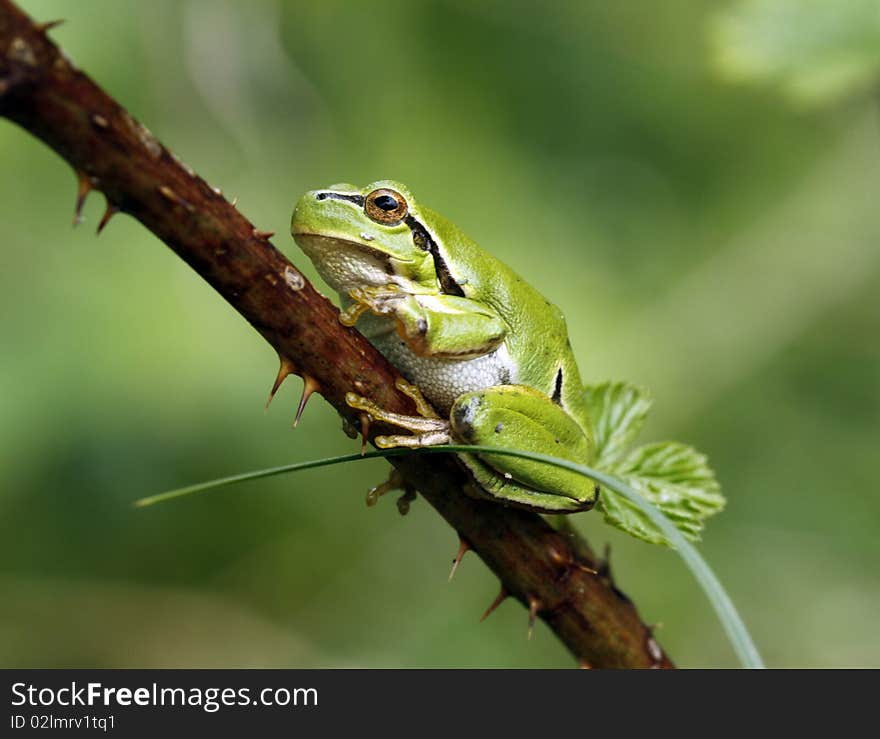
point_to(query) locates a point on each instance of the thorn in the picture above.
(100, 121)
(310, 385)
(365, 431)
(284, 370)
(110, 211)
(560, 556)
(583, 568)
(258, 234)
(462, 550)
(49, 25)
(534, 605)
(495, 603)
(563, 557)
(234, 201)
(83, 189)
(169, 194)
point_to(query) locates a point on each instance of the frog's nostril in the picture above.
(321, 196)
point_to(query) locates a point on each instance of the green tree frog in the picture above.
(482, 345)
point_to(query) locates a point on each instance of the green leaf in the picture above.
(814, 51)
(676, 479)
(618, 411)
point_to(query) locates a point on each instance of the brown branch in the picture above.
(545, 569)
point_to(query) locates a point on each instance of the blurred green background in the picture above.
(694, 183)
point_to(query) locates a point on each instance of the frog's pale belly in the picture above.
(443, 380)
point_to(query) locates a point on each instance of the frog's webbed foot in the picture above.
(395, 481)
(427, 428)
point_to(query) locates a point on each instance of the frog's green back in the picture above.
(538, 337)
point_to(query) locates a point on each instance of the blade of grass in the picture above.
(254, 475)
(736, 631)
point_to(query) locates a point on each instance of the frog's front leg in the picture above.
(517, 417)
(428, 429)
(438, 326)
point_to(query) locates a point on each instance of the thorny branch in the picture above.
(549, 571)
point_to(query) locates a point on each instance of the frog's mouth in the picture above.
(346, 264)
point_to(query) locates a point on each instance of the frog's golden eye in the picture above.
(385, 206)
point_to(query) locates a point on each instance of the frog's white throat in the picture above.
(345, 265)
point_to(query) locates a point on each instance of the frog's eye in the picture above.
(386, 206)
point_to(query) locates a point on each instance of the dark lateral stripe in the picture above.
(423, 240)
(333, 195)
(557, 391)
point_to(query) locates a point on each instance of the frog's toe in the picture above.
(416, 424)
(403, 502)
(428, 438)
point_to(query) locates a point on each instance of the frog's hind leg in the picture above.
(520, 418)
(506, 490)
